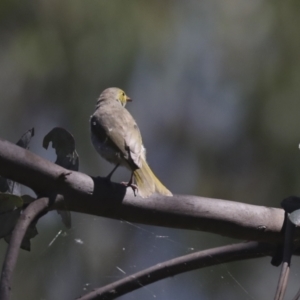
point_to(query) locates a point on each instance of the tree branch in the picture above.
(29, 214)
(179, 265)
(94, 196)
(286, 262)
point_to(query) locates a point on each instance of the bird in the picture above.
(117, 138)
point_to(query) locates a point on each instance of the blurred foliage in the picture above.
(215, 92)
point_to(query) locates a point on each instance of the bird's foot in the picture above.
(132, 185)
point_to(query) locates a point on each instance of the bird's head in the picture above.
(114, 94)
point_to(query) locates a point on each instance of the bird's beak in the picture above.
(128, 99)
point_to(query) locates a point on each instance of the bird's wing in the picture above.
(134, 143)
(119, 129)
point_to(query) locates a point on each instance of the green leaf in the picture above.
(9, 202)
(27, 199)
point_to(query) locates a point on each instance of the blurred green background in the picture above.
(215, 88)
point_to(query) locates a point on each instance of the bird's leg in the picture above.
(108, 177)
(131, 184)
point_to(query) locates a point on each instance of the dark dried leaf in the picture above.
(14, 187)
(26, 138)
(30, 233)
(66, 218)
(11, 202)
(64, 144)
(8, 221)
(9, 186)
(290, 204)
(4, 187)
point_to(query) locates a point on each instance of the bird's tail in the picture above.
(148, 183)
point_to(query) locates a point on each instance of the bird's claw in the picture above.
(132, 185)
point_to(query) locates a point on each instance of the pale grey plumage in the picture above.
(117, 138)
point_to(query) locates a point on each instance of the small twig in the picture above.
(282, 282)
(179, 265)
(287, 255)
(297, 296)
(28, 215)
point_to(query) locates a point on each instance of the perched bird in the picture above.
(117, 138)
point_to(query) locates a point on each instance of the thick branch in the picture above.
(94, 196)
(287, 256)
(179, 265)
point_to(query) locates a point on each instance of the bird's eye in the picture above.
(123, 94)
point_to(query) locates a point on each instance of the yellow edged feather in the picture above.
(148, 183)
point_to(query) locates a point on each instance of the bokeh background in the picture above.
(216, 89)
